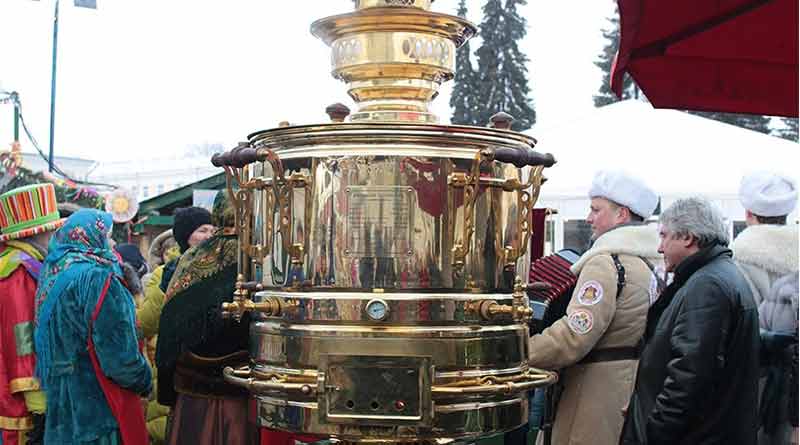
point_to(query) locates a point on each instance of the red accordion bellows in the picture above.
(553, 270)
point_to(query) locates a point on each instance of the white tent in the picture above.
(676, 153)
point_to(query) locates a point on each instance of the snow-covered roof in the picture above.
(166, 167)
(676, 153)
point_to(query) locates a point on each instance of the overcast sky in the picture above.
(146, 78)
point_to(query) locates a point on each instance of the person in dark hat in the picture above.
(191, 227)
(195, 344)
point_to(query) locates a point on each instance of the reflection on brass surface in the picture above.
(462, 421)
(368, 209)
(414, 310)
(380, 258)
(389, 222)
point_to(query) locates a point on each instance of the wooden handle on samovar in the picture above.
(238, 157)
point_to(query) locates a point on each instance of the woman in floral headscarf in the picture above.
(88, 362)
(195, 343)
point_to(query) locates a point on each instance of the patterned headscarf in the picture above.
(204, 279)
(80, 244)
(210, 257)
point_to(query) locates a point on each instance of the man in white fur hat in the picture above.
(596, 342)
(766, 251)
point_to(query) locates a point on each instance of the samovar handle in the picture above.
(522, 157)
(240, 156)
(519, 157)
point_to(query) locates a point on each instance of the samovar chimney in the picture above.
(393, 55)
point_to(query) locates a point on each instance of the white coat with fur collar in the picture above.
(766, 252)
(636, 240)
(599, 317)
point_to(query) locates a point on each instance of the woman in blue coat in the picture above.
(89, 361)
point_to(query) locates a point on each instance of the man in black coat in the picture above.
(697, 381)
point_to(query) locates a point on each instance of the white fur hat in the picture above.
(768, 194)
(625, 190)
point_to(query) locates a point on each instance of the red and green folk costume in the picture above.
(20, 263)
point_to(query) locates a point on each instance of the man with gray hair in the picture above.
(697, 381)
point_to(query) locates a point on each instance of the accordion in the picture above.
(550, 304)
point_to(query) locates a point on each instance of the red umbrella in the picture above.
(736, 56)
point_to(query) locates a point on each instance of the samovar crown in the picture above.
(393, 55)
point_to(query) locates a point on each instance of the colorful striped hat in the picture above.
(28, 211)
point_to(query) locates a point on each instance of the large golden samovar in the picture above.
(378, 256)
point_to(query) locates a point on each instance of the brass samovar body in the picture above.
(379, 257)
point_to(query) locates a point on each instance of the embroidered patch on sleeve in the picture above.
(591, 293)
(581, 321)
(23, 338)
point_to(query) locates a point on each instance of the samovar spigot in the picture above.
(519, 310)
(271, 306)
(522, 310)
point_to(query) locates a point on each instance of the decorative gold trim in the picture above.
(241, 377)
(421, 4)
(16, 423)
(24, 384)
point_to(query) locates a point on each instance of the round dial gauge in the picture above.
(377, 309)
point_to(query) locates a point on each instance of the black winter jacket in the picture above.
(697, 381)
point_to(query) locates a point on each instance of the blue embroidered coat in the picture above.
(71, 284)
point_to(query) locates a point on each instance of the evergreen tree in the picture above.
(604, 95)
(465, 88)
(790, 130)
(502, 71)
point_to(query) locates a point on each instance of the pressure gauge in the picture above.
(377, 309)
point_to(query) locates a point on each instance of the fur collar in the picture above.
(637, 240)
(767, 246)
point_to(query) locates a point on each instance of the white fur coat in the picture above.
(765, 253)
(769, 247)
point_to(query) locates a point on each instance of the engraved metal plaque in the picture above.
(379, 221)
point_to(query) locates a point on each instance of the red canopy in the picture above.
(735, 56)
